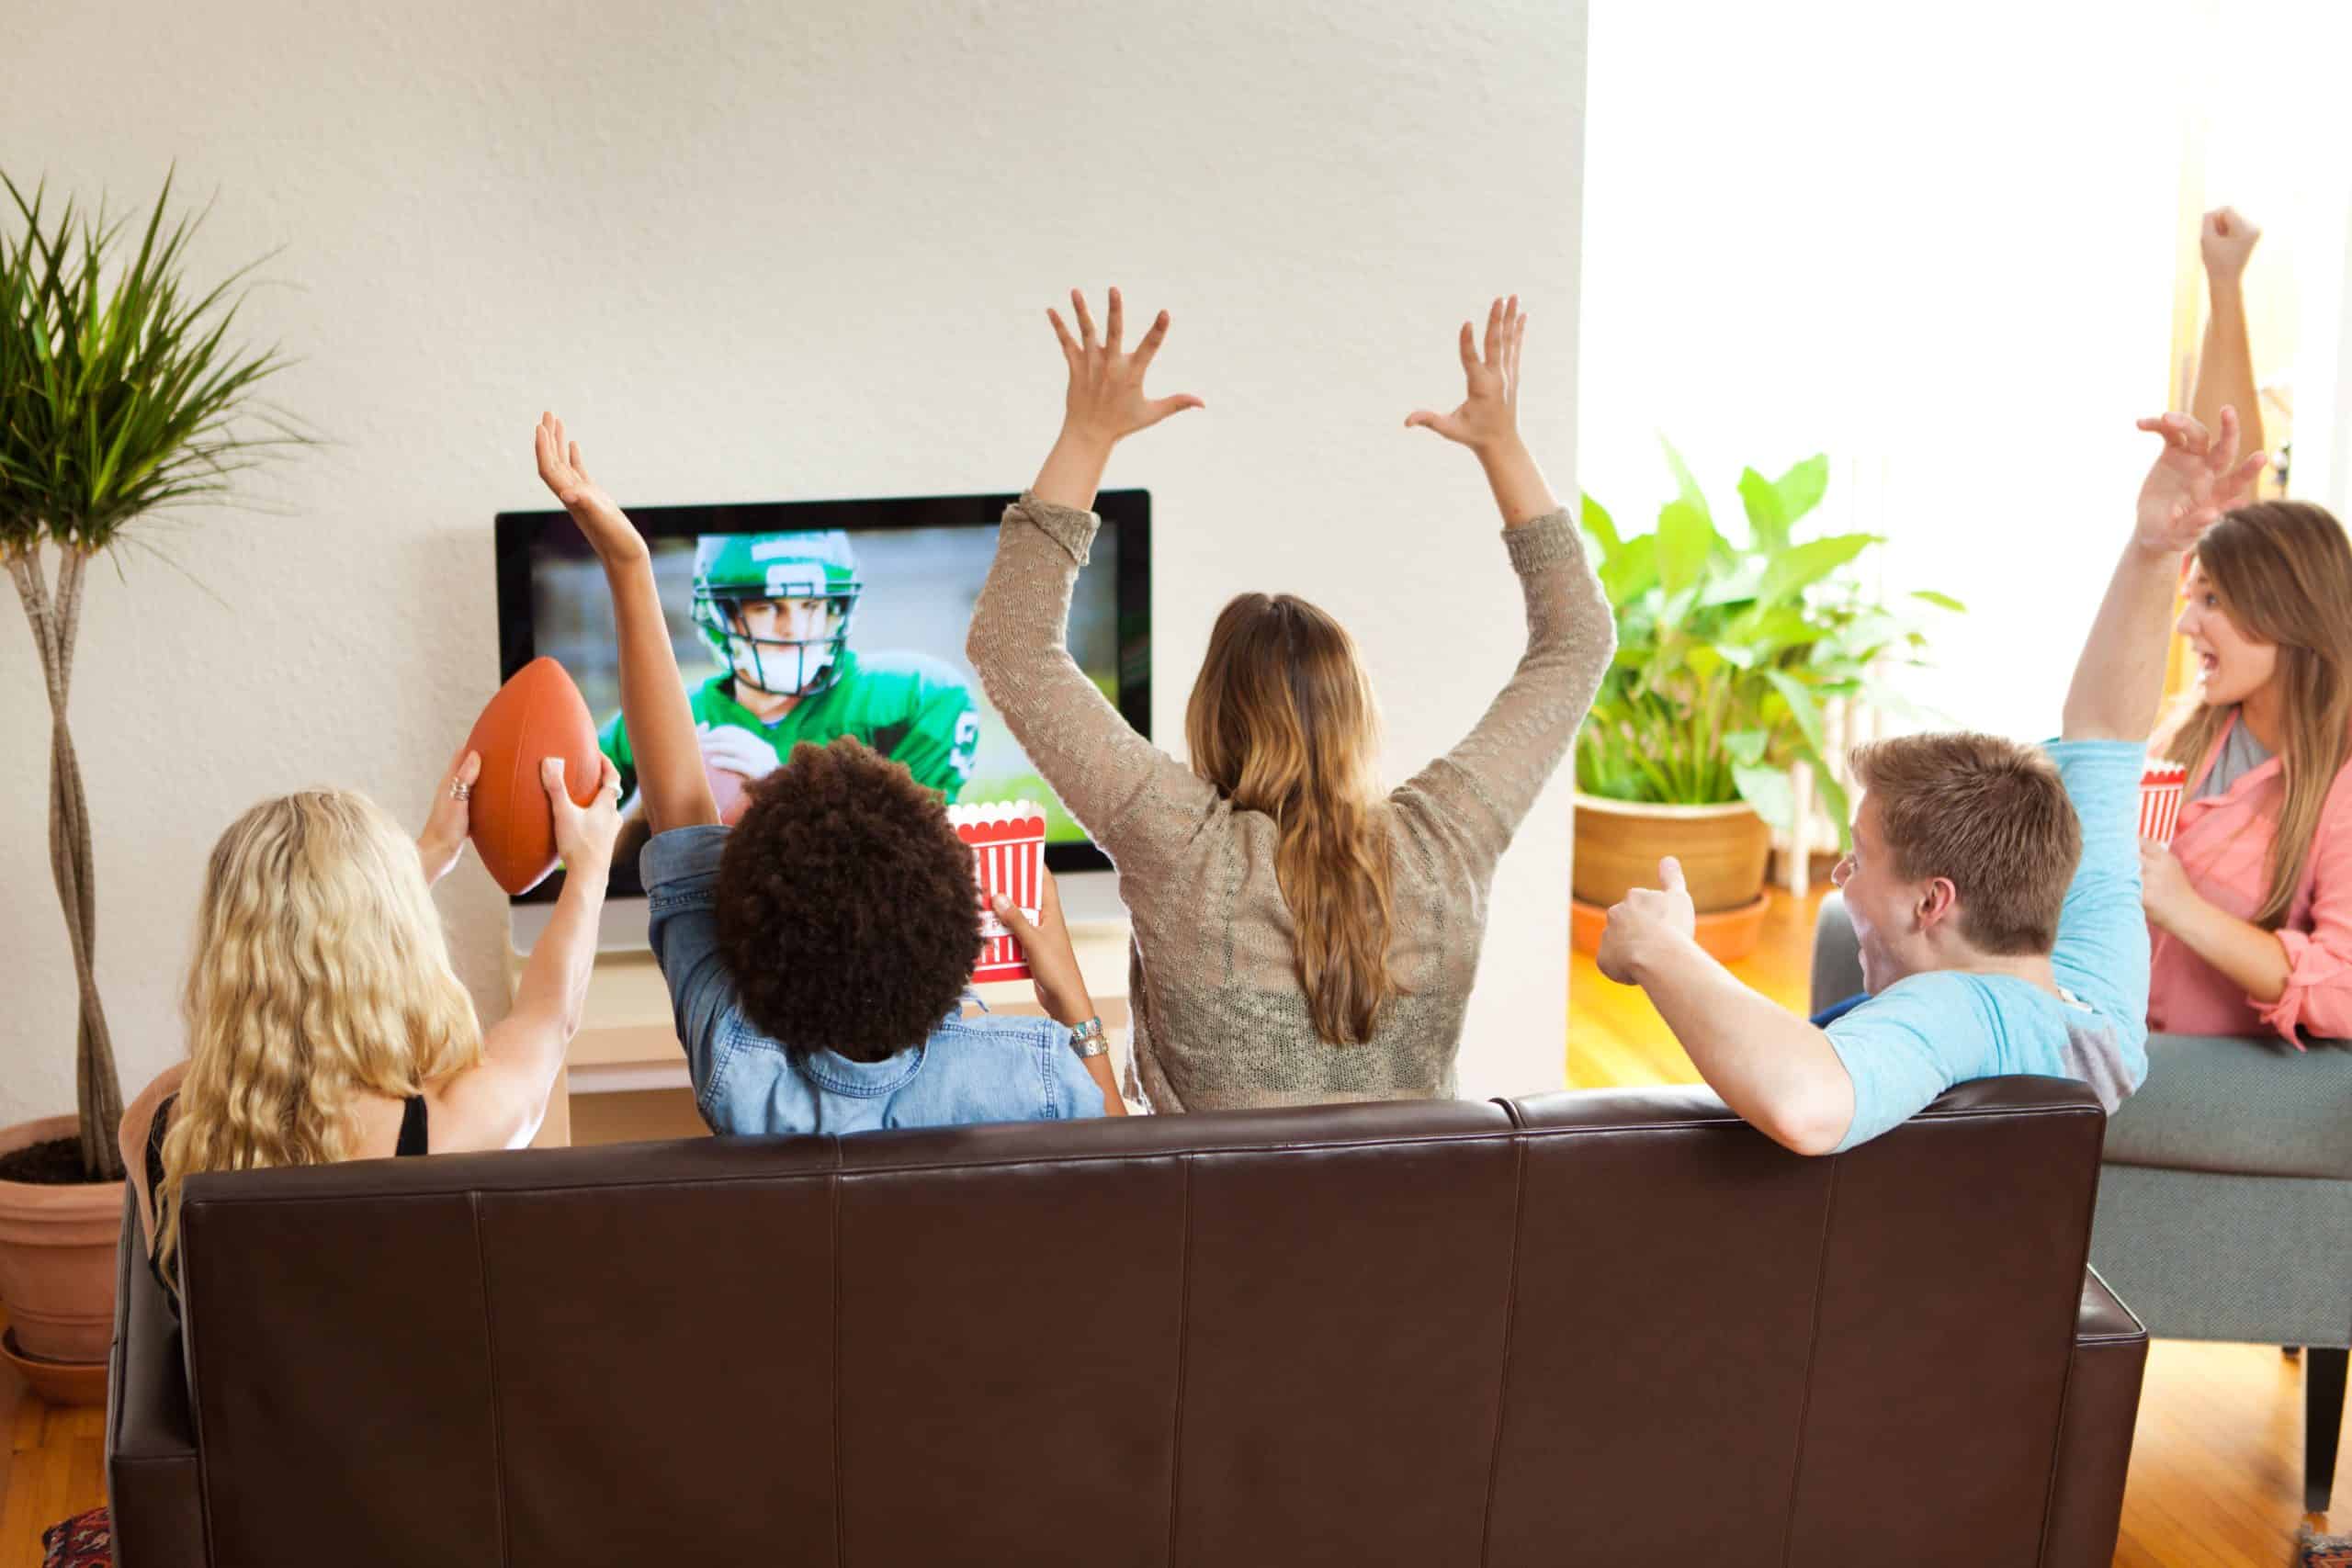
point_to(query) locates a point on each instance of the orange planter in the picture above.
(57, 1257)
(1729, 934)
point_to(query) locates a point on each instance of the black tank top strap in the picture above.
(156, 1199)
(413, 1133)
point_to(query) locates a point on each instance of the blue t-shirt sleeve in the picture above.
(2102, 950)
(1906, 1046)
(680, 869)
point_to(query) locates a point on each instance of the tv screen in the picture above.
(803, 620)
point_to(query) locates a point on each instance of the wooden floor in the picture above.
(2217, 1460)
(2216, 1470)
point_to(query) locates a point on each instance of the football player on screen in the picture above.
(775, 609)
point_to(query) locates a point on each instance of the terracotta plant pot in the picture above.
(57, 1257)
(1722, 849)
(1729, 934)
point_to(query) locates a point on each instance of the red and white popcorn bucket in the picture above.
(2160, 790)
(1008, 839)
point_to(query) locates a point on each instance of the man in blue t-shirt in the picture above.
(1993, 887)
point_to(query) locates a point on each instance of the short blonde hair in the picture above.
(319, 974)
(1990, 815)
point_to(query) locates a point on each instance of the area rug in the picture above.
(85, 1540)
(2323, 1550)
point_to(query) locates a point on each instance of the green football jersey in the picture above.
(910, 708)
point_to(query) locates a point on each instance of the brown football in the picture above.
(537, 714)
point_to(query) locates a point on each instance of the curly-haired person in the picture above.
(817, 953)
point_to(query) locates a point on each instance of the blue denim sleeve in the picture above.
(680, 869)
(2102, 951)
(1906, 1046)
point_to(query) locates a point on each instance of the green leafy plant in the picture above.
(121, 394)
(1726, 652)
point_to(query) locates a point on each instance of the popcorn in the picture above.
(1008, 839)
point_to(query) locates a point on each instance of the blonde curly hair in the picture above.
(319, 974)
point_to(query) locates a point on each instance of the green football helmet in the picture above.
(735, 570)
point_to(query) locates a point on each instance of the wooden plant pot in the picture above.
(1723, 850)
(57, 1257)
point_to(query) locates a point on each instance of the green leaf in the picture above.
(1685, 487)
(1685, 538)
(1840, 810)
(1767, 520)
(1602, 526)
(1632, 571)
(1802, 488)
(1941, 601)
(1746, 746)
(1767, 790)
(1801, 566)
(1738, 585)
(1802, 706)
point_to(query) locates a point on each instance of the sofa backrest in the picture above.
(1601, 1327)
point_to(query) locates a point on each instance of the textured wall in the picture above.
(758, 252)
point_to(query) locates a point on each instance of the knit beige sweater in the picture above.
(1220, 1020)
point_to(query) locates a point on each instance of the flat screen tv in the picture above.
(855, 610)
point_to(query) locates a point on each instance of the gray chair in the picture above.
(2224, 1199)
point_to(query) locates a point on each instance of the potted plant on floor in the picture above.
(121, 393)
(1726, 653)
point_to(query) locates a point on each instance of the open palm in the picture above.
(2195, 479)
(1489, 411)
(609, 529)
(1105, 401)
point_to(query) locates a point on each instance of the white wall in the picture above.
(756, 252)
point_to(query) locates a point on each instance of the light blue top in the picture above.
(1926, 1032)
(983, 1069)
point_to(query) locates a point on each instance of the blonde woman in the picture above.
(1299, 935)
(324, 1020)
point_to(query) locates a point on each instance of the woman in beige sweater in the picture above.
(1298, 937)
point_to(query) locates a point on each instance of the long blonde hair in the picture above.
(1281, 720)
(320, 975)
(2283, 571)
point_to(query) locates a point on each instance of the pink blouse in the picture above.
(2223, 843)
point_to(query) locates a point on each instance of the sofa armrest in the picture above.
(1837, 956)
(2095, 1432)
(154, 1492)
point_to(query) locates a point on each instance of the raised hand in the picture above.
(1106, 403)
(442, 842)
(2195, 479)
(1488, 416)
(608, 530)
(2226, 240)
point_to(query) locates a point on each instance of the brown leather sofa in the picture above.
(1605, 1328)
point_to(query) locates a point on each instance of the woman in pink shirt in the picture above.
(2250, 911)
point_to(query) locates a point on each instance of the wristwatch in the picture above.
(1087, 1040)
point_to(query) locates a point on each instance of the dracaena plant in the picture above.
(122, 393)
(1727, 650)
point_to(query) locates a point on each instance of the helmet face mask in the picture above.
(737, 574)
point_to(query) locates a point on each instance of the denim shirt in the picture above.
(983, 1069)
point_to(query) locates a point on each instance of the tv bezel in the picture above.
(1127, 514)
